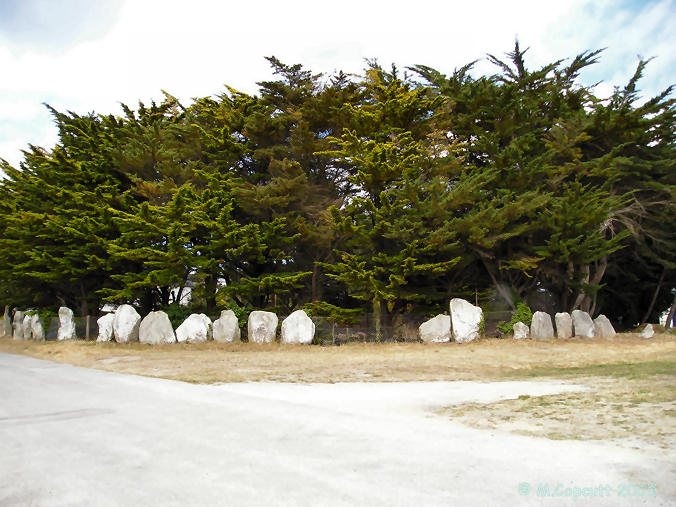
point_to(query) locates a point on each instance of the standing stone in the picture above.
(155, 329)
(196, 328)
(541, 327)
(125, 324)
(37, 328)
(648, 332)
(465, 320)
(298, 328)
(6, 324)
(27, 331)
(262, 326)
(564, 325)
(603, 328)
(105, 325)
(521, 331)
(226, 328)
(583, 324)
(18, 325)
(436, 330)
(66, 324)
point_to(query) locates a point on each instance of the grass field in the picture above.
(631, 382)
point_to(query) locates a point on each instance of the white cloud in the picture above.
(193, 49)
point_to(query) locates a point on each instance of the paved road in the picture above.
(73, 436)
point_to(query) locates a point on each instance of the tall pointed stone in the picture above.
(126, 324)
(603, 328)
(38, 330)
(105, 325)
(17, 324)
(465, 320)
(66, 324)
(27, 330)
(583, 325)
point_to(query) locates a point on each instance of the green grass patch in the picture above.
(620, 370)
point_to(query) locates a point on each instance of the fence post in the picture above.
(87, 327)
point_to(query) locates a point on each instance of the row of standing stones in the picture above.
(463, 325)
(126, 325)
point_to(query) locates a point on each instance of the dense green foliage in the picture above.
(388, 193)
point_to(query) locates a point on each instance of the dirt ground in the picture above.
(631, 382)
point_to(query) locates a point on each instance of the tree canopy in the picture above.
(389, 192)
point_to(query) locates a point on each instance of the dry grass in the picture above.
(488, 359)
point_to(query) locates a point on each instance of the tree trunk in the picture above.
(656, 293)
(498, 286)
(315, 276)
(377, 318)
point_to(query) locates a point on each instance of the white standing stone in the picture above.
(105, 325)
(436, 330)
(541, 327)
(564, 325)
(37, 328)
(18, 325)
(196, 328)
(262, 327)
(27, 330)
(521, 331)
(603, 328)
(298, 328)
(125, 324)
(66, 324)
(648, 332)
(226, 328)
(6, 324)
(156, 329)
(583, 324)
(465, 320)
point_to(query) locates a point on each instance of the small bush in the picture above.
(523, 313)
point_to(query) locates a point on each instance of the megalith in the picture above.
(583, 325)
(648, 332)
(196, 328)
(6, 324)
(156, 329)
(541, 327)
(66, 324)
(521, 331)
(262, 326)
(105, 325)
(603, 328)
(436, 330)
(298, 328)
(37, 329)
(564, 325)
(125, 324)
(465, 320)
(27, 330)
(17, 324)
(226, 328)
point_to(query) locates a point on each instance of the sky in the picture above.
(84, 55)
